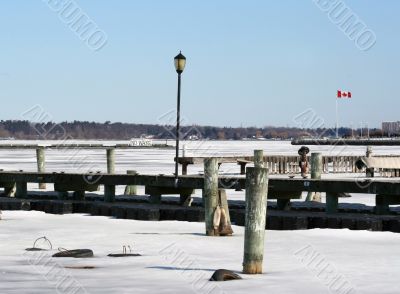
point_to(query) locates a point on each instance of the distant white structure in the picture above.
(141, 142)
(391, 127)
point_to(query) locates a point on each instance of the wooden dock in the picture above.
(280, 164)
(385, 191)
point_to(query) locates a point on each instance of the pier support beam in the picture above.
(210, 193)
(184, 168)
(41, 166)
(109, 193)
(316, 171)
(110, 160)
(332, 202)
(256, 212)
(131, 189)
(21, 190)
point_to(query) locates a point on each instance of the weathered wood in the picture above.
(131, 189)
(242, 167)
(256, 210)
(109, 193)
(382, 203)
(41, 164)
(332, 202)
(21, 190)
(316, 171)
(110, 160)
(258, 158)
(210, 193)
(184, 168)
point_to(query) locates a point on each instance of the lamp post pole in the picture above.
(178, 119)
(180, 62)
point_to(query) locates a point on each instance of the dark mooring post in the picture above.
(210, 193)
(256, 211)
(40, 158)
(316, 171)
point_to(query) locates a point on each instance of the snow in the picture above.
(178, 258)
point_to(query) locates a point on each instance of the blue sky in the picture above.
(250, 63)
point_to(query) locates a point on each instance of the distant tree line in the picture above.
(21, 129)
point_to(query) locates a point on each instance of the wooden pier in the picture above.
(385, 191)
(279, 164)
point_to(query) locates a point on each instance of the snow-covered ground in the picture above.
(178, 258)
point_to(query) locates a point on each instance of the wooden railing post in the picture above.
(256, 211)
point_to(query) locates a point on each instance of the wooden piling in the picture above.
(256, 210)
(258, 158)
(110, 160)
(210, 193)
(316, 171)
(131, 189)
(41, 166)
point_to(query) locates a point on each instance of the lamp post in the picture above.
(180, 62)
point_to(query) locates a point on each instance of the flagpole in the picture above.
(337, 120)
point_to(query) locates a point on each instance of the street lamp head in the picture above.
(180, 62)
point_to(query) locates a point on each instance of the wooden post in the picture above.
(210, 193)
(242, 167)
(256, 211)
(258, 158)
(110, 160)
(109, 193)
(131, 189)
(184, 168)
(316, 171)
(332, 202)
(21, 190)
(382, 204)
(40, 158)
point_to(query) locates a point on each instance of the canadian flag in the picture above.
(343, 94)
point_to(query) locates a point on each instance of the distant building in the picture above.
(391, 127)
